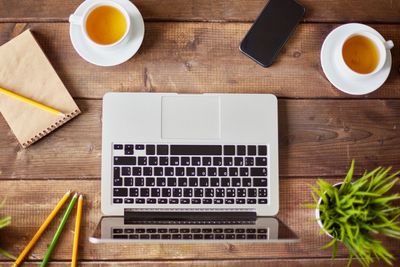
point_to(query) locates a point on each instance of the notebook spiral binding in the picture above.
(45, 132)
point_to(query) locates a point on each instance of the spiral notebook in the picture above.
(25, 70)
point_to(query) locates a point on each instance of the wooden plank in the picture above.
(29, 202)
(208, 10)
(220, 263)
(201, 58)
(317, 138)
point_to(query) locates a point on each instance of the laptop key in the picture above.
(197, 236)
(165, 236)
(136, 171)
(241, 192)
(128, 150)
(220, 192)
(140, 200)
(246, 182)
(155, 192)
(198, 192)
(179, 171)
(151, 201)
(187, 192)
(244, 171)
(252, 192)
(133, 236)
(217, 230)
(166, 192)
(196, 161)
(126, 171)
(258, 171)
(263, 201)
(222, 171)
(217, 161)
(134, 192)
(208, 236)
(161, 181)
(214, 182)
(173, 201)
(145, 236)
(120, 192)
(117, 200)
(117, 172)
(206, 161)
(117, 181)
(251, 236)
(209, 192)
(163, 161)
(239, 230)
(212, 171)
(193, 182)
(196, 150)
(251, 201)
(173, 161)
(185, 161)
(251, 150)
(228, 161)
(207, 201)
(262, 150)
(241, 150)
(182, 181)
(201, 171)
(250, 230)
(128, 181)
(262, 192)
(139, 181)
(140, 230)
(147, 171)
(258, 182)
(124, 160)
(173, 230)
(150, 150)
(230, 236)
(162, 201)
(248, 161)
(155, 236)
(196, 201)
(240, 201)
(190, 171)
(142, 161)
(185, 201)
(238, 161)
(169, 171)
(204, 182)
(144, 192)
(158, 171)
(240, 236)
(230, 192)
(150, 181)
(177, 192)
(139, 147)
(171, 181)
(233, 171)
(219, 236)
(218, 201)
(187, 236)
(226, 182)
(229, 201)
(236, 182)
(229, 230)
(184, 230)
(176, 236)
(261, 161)
(153, 161)
(229, 150)
(120, 236)
(162, 149)
(118, 147)
(261, 236)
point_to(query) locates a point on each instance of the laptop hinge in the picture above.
(133, 216)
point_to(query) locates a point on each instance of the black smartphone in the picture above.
(271, 30)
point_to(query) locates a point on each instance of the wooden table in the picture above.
(192, 46)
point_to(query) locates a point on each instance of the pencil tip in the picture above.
(68, 192)
(75, 195)
(80, 196)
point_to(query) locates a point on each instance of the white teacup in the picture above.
(382, 48)
(82, 19)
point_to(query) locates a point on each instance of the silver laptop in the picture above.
(190, 168)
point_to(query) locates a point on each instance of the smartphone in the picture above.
(271, 30)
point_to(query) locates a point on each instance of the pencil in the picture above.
(59, 231)
(77, 229)
(41, 229)
(31, 102)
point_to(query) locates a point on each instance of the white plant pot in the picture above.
(317, 213)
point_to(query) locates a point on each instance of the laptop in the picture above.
(190, 168)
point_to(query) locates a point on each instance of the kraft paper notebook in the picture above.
(25, 70)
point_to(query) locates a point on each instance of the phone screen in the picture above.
(271, 30)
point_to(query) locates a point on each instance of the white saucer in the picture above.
(115, 55)
(351, 86)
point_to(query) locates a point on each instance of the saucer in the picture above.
(345, 84)
(115, 55)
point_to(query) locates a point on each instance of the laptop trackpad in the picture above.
(190, 117)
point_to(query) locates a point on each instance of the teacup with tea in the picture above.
(362, 54)
(104, 24)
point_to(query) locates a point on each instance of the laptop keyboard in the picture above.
(190, 233)
(190, 174)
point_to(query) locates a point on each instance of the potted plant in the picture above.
(5, 221)
(354, 212)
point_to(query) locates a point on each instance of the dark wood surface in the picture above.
(192, 46)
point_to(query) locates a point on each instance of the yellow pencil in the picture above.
(77, 229)
(31, 102)
(41, 229)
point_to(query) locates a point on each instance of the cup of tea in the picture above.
(104, 24)
(362, 54)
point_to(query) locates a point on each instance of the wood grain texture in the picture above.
(317, 138)
(200, 58)
(328, 262)
(29, 203)
(209, 10)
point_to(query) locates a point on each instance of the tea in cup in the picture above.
(104, 24)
